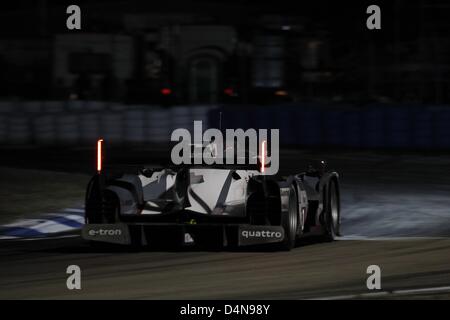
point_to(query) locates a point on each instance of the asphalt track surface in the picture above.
(395, 214)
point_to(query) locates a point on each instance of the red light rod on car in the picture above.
(263, 155)
(99, 155)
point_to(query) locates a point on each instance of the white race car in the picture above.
(210, 205)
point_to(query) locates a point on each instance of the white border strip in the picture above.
(386, 293)
(39, 238)
(405, 238)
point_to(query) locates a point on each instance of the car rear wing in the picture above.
(106, 165)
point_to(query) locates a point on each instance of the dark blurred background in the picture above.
(261, 63)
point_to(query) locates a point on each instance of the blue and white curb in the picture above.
(68, 220)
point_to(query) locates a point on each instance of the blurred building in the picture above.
(223, 52)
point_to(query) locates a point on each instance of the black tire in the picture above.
(333, 213)
(289, 222)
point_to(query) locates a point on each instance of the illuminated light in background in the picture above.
(166, 91)
(263, 156)
(281, 93)
(99, 155)
(229, 91)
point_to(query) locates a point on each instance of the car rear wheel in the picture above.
(333, 215)
(289, 222)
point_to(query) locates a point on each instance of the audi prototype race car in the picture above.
(220, 205)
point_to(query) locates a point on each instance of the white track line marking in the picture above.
(8, 238)
(25, 223)
(74, 210)
(50, 226)
(67, 219)
(42, 238)
(366, 238)
(386, 293)
(73, 217)
(423, 290)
